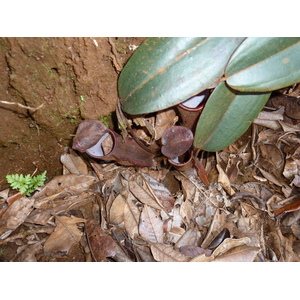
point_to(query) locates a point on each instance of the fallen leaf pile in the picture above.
(101, 211)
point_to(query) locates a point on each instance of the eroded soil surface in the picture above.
(71, 79)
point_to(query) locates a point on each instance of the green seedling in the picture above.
(26, 184)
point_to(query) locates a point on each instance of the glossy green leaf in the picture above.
(164, 72)
(264, 64)
(226, 116)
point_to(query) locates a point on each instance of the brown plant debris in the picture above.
(102, 211)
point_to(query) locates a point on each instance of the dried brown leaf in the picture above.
(274, 115)
(230, 243)
(291, 168)
(143, 195)
(289, 128)
(273, 156)
(296, 181)
(268, 136)
(215, 228)
(226, 246)
(15, 215)
(188, 188)
(189, 238)
(193, 251)
(70, 183)
(131, 218)
(50, 208)
(117, 211)
(29, 252)
(238, 254)
(101, 244)
(144, 254)
(283, 246)
(166, 253)
(164, 120)
(269, 119)
(296, 230)
(270, 177)
(151, 226)
(73, 164)
(186, 211)
(224, 180)
(174, 234)
(65, 235)
(160, 191)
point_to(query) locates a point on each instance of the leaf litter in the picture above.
(102, 211)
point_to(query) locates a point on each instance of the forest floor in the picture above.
(91, 210)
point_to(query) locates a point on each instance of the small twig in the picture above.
(33, 109)
(116, 62)
(241, 195)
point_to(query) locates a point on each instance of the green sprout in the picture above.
(105, 120)
(26, 184)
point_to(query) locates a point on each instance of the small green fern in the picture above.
(26, 184)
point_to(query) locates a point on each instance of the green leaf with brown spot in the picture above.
(264, 64)
(164, 72)
(226, 116)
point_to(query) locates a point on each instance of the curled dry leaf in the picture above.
(164, 120)
(291, 169)
(186, 211)
(151, 226)
(101, 244)
(29, 253)
(284, 244)
(189, 238)
(224, 234)
(296, 181)
(273, 157)
(193, 251)
(270, 177)
(224, 180)
(166, 253)
(131, 217)
(144, 254)
(188, 188)
(215, 228)
(15, 215)
(117, 211)
(268, 136)
(230, 243)
(48, 209)
(65, 183)
(269, 119)
(147, 123)
(291, 104)
(289, 127)
(144, 195)
(73, 164)
(160, 191)
(65, 235)
(226, 246)
(238, 254)
(7, 201)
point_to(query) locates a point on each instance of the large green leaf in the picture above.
(226, 116)
(264, 64)
(166, 71)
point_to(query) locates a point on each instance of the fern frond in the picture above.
(26, 184)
